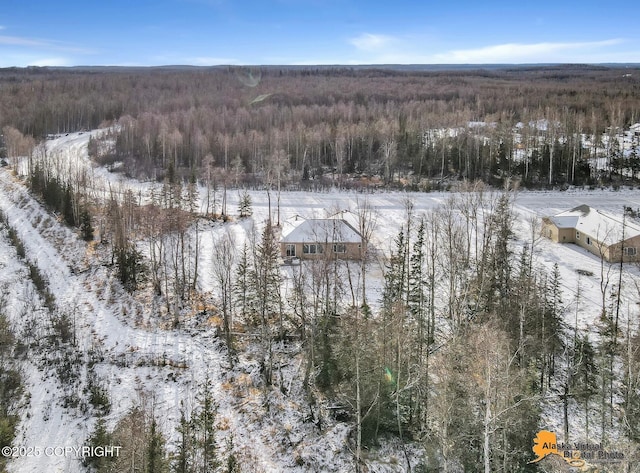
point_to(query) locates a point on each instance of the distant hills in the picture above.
(389, 67)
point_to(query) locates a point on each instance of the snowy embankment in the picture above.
(99, 308)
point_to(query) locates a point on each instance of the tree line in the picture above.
(306, 124)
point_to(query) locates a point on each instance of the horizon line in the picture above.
(337, 65)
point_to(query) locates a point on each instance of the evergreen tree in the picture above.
(606, 355)
(268, 278)
(244, 207)
(551, 328)
(52, 194)
(232, 465)
(183, 457)
(519, 331)
(191, 198)
(584, 382)
(631, 388)
(502, 233)
(421, 331)
(396, 329)
(128, 261)
(99, 438)
(266, 302)
(417, 288)
(11, 386)
(156, 455)
(67, 206)
(325, 339)
(37, 179)
(204, 429)
(395, 275)
(86, 228)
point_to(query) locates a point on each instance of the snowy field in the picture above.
(99, 307)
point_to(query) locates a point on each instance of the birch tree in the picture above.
(223, 261)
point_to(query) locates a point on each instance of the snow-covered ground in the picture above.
(139, 354)
(168, 365)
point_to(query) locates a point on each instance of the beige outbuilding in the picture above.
(606, 235)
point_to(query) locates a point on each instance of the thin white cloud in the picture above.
(172, 59)
(18, 41)
(211, 61)
(25, 60)
(22, 51)
(372, 42)
(519, 52)
(51, 62)
(386, 49)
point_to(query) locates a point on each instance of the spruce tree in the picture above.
(502, 229)
(184, 455)
(395, 274)
(241, 286)
(232, 465)
(267, 302)
(584, 382)
(86, 228)
(631, 388)
(328, 368)
(244, 206)
(67, 206)
(552, 326)
(99, 438)
(156, 455)
(417, 288)
(204, 429)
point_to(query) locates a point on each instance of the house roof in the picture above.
(348, 216)
(291, 223)
(603, 226)
(322, 230)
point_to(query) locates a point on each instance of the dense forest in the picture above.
(469, 343)
(293, 125)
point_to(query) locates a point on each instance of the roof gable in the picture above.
(323, 230)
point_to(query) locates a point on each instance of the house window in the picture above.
(630, 251)
(588, 240)
(577, 235)
(290, 250)
(311, 249)
(339, 248)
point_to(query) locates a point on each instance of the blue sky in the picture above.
(211, 32)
